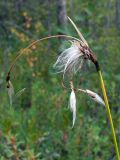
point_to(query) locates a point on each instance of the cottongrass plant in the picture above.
(69, 62)
(72, 103)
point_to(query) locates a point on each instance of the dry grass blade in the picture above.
(21, 52)
(79, 33)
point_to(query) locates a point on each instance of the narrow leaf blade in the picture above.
(78, 31)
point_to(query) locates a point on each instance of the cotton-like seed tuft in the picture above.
(72, 105)
(10, 90)
(71, 60)
(95, 97)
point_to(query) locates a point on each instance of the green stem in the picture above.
(109, 114)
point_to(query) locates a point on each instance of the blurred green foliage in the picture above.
(38, 125)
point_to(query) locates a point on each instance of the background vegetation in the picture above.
(37, 126)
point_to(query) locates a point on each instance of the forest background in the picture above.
(38, 125)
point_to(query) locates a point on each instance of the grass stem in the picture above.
(109, 115)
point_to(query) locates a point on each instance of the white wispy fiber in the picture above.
(20, 92)
(95, 97)
(70, 60)
(72, 105)
(10, 90)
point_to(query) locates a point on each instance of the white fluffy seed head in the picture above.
(95, 97)
(72, 105)
(70, 60)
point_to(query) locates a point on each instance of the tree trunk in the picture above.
(61, 13)
(71, 7)
(118, 15)
(109, 19)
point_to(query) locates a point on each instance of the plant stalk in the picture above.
(21, 52)
(109, 114)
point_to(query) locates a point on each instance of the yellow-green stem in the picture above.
(109, 115)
